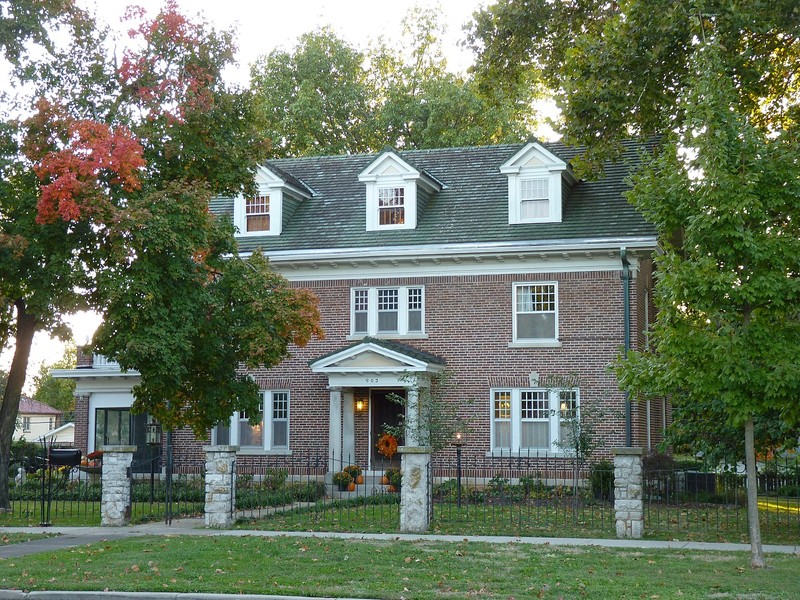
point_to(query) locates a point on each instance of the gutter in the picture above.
(626, 303)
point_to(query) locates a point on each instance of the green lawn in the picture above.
(395, 570)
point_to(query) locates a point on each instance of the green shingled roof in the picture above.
(405, 349)
(473, 208)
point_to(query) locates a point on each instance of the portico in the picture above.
(372, 364)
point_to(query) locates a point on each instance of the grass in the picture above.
(7, 539)
(395, 570)
(706, 524)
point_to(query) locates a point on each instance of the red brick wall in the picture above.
(469, 323)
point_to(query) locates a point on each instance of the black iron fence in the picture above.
(157, 494)
(46, 494)
(692, 497)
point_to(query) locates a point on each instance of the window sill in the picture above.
(542, 344)
(262, 452)
(532, 453)
(388, 336)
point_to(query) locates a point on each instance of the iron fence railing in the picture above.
(686, 498)
(156, 496)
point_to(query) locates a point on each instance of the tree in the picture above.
(728, 326)
(104, 205)
(719, 80)
(328, 97)
(58, 393)
(622, 69)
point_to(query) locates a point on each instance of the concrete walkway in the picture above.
(69, 537)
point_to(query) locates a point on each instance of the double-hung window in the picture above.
(535, 312)
(387, 311)
(534, 198)
(257, 213)
(533, 419)
(391, 206)
(268, 432)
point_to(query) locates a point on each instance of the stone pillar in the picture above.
(628, 501)
(348, 427)
(415, 507)
(412, 418)
(220, 485)
(335, 431)
(115, 500)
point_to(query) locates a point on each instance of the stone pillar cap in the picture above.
(120, 449)
(221, 448)
(627, 451)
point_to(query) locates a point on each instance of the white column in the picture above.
(349, 427)
(412, 417)
(335, 431)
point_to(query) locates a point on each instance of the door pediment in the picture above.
(377, 356)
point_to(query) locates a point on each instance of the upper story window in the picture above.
(536, 312)
(257, 214)
(387, 311)
(524, 420)
(269, 433)
(26, 424)
(535, 177)
(277, 192)
(391, 205)
(393, 188)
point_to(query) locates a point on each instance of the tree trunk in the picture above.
(753, 524)
(26, 327)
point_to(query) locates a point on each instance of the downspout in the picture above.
(626, 311)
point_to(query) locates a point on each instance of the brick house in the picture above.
(493, 263)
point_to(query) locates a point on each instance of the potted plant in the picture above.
(355, 473)
(342, 479)
(394, 477)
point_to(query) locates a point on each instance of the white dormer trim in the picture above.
(267, 184)
(400, 183)
(535, 177)
(270, 185)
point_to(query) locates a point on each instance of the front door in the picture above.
(384, 411)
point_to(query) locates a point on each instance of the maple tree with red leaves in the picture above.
(104, 205)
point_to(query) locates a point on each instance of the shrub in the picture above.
(395, 477)
(353, 470)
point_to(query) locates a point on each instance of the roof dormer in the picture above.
(535, 178)
(396, 192)
(263, 213)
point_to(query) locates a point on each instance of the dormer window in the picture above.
(534, 198)
(396, 192)
(257, 214)
(277, 194)
(535, 176)
(391, 205)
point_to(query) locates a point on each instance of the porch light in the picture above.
(458, 439)
(361, 406)
(152, 433)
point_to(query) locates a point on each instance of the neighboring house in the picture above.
(493, 263)
(60, 436)
(35, 419)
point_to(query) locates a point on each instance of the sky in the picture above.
(263, 26)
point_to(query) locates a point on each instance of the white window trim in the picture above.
(372, 313)
(409, 202)
(516, 421)
(266, 424)
(515, 195)
(553, 342)
(275, 212)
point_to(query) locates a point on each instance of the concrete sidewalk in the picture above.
(69, 537)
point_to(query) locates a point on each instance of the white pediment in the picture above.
(388, 164)
(369, 360)
(371, 357)
(533, 156)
